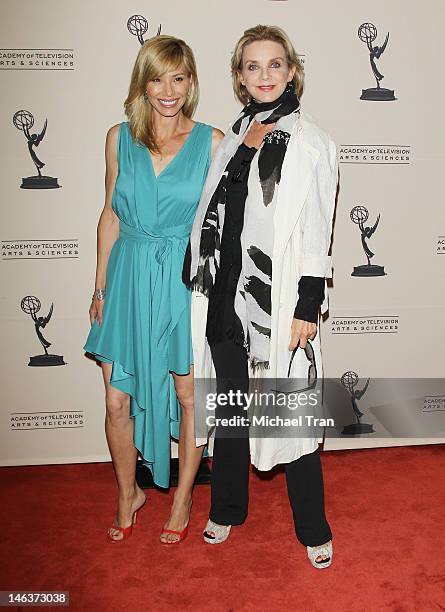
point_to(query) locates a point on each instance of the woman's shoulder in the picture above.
(114, 132)
(217, 137)
(314, 134)
(111, 142)
(216, 132)
(114, 129)
(214, 135)
(115, 139)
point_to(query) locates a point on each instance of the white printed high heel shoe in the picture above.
(221, 532)
(315, 551)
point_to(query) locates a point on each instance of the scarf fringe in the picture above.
(197, 282)
(238, 338)
(195, 285)
(258, 366)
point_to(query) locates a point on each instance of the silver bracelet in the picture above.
(99, 294)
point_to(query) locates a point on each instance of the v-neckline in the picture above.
(174, 158)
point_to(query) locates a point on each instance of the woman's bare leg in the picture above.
(189, 457)
(119, 432)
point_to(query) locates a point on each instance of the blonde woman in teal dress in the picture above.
(156, 165)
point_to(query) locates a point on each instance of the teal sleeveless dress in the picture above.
(146, 328)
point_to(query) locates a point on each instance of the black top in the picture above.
(222, 321)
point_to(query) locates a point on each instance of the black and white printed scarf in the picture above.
(253, 294)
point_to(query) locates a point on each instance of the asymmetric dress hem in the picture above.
(146, 327)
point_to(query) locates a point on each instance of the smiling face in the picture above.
(168, 93)
(265, 70)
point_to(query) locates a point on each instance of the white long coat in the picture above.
(302, 235)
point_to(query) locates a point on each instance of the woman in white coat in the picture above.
(257, 264)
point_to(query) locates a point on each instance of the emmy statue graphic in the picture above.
(358, 215)
(138, 26)
(349, 380)
(367, 33)
(23, 121)
(31, 305)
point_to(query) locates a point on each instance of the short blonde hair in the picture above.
(263, 32)
(156, 56)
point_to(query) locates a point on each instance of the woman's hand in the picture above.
(96, 310)
(301, 332)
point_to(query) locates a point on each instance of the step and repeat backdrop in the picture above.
(373, 81)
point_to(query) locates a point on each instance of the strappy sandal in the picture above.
(181, 534)
(125, 531)
(315, 551)
(221, 532)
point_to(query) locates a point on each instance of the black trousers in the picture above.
(230, 472)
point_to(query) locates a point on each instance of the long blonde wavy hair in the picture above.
(156, 56)
(264, 32)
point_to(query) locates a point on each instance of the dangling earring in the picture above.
(145, 96)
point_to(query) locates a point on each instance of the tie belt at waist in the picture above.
(165, 237)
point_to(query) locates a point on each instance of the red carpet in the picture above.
(385, 507)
